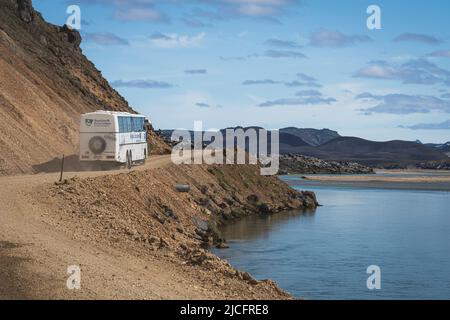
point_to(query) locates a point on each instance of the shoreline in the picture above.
(426, 180)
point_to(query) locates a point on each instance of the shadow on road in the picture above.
(73, 164)
(12, 283)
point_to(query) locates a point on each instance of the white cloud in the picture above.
(430, 126)
(328, 38)
(403, 103)
(378, 71)
(174, 40)
(440, 54)
(416, 71)
(258, 8)
(106, 39)
(139, 14)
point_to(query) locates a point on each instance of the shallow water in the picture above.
(325, 254)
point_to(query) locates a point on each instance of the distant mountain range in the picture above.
(371, 153)
(329, 145)
(290, 136)
(312, 137)
(444, 147)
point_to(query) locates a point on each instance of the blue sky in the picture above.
(275, 63)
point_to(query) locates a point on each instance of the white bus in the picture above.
(119, 137)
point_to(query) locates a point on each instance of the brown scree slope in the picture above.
(45, 84)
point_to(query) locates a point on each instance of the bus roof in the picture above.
(113, 113)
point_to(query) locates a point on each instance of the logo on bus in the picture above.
(136, 136)
(99, 123)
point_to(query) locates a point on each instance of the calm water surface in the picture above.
(325, 254)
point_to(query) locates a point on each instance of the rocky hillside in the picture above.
(298, 164)
(136, 204)
(142, 214)
(434, 165)
(45, 84)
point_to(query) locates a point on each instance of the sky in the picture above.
(275, 63)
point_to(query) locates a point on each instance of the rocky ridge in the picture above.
(434, 165)
(299, 164)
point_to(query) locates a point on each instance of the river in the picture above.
(325, 254)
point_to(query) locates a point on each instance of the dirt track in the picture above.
(34, 258)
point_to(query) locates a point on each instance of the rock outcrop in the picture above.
(26, 12)
(45, 84)
(298, 164)
(434, 165)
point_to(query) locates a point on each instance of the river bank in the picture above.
(408, 179)
(299, 164)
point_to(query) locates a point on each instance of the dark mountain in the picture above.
(289, 137)
(443, 147)
(395, 153)
(286, 139)
(289, 140)
(313, 137)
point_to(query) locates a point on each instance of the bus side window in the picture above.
(121, 125)
(128, 124)
(138, 124)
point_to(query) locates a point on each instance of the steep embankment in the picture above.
(133, 235)
(139, 204)
(45, 84)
